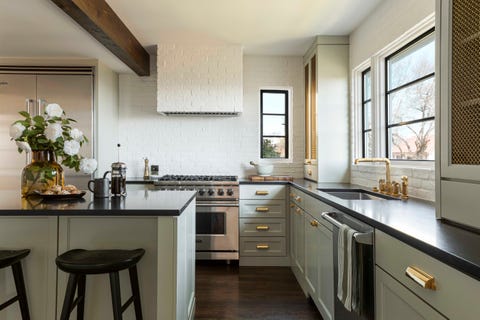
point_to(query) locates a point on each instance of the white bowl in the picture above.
(264, 169)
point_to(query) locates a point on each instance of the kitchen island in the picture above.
(161, 222)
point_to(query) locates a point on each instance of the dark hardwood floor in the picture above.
(232, 292)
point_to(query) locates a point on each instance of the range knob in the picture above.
(230, 192)
(211, 192)
(220, 192)
(201, 192)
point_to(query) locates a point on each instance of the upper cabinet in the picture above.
(327, 110)
(458, 104)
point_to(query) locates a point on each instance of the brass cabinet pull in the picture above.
(308, 162)
(314, 223)
(298, 210)
(292, 194)
(262, 209)
(263, 228)
(421, 277)
(309, 172)
(261, 193)
(298, 199)
(263, 246)
(292, 205)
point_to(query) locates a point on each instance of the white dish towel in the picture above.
(346, 265)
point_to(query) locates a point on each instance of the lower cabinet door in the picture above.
(395, 302)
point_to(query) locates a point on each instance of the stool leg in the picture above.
(21, 292)
(69, 295)
(135, 292)
(81, 296)
(116, 298)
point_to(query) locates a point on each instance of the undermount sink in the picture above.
(356, 194)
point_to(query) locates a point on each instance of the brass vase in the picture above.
(42, 173)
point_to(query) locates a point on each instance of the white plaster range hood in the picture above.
(199, 80)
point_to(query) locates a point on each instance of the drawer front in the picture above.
(456, 294)
(262, 209)
(262, 191)
(262, 227)
(262, 247)
(298, 197)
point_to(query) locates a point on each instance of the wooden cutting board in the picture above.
(270, 178)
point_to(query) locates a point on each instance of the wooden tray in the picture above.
(270, 178)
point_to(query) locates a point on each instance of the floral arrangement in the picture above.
(52, 131)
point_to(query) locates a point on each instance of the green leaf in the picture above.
(38, 120)
(29, 175)
(25, 114)
(72, 120)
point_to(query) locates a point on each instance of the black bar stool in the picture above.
(79, 263)
(13, 258)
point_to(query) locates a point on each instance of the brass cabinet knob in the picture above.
(314, 223)
(298, 211)
(292, 205)
(298, 199)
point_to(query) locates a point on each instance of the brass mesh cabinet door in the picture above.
(465, 95)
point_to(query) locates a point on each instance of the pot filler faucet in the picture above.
(386, 185)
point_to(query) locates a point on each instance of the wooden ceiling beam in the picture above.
(98, 18)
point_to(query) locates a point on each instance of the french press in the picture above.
(119, 179)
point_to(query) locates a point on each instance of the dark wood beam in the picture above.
(103, 24)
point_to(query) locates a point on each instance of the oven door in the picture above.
(217, 231)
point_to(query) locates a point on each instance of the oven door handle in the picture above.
(217, 205)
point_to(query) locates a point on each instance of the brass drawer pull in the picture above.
(308, 161)
(262, 209)
(298, 211)
(263, 246)
(261, 193)
(263, 228)
(314, 223)
(298, 199)
(421, 277)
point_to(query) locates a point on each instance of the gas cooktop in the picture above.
(197, 178)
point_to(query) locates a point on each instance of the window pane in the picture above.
(367, 116)
(273, 126)
(274, 103)
(413, 102)
(368, 151)
(273, 148)
(367, 86)
(412, 63)
(412, 142)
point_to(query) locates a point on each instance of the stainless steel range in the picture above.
(216, 211)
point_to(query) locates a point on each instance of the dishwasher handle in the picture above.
(363, 238)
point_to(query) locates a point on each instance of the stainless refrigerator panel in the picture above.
(14, 90)
(74, 93)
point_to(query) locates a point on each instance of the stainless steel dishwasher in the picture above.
(364, 249)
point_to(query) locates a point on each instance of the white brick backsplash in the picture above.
(207, 145)
(421, 180)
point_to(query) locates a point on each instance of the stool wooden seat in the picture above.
(79, 263)
(13, 258)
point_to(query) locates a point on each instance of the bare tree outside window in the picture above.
(410, 100)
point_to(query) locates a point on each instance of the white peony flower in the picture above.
(53, 131)
(88, 166)
(54, 110)
(16, 130)
(71, 147)
(76, 134)
(24, 146)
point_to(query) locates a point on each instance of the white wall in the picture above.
(106, 117)
(391, 19)
(207, 145)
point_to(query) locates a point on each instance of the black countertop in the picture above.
(412, 221)
(136, 203)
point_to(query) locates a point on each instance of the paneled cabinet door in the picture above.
(319, 265)
(395, 302)
(299, 239)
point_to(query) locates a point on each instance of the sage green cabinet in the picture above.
(395, 302)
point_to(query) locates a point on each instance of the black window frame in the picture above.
(286, 136)
(403, 86)
(364, 103)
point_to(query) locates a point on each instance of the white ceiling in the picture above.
(37, 28)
